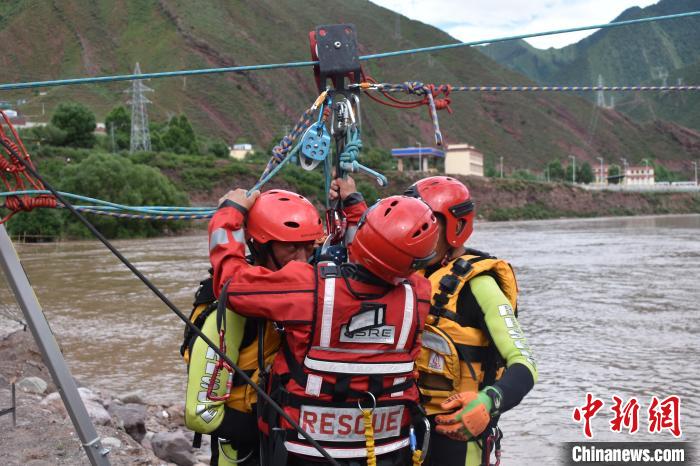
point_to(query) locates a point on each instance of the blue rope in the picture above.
(113, 207)
(527, 36)
(167, 74)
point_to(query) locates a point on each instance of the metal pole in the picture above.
(420, 157)
(624, 170)
(601, 170)
(695, 164)
(53, 358)
(573, 171)
(14, 406)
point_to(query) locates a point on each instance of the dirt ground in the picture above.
(42, 436)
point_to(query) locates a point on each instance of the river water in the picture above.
(610, 307)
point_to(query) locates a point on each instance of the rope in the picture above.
(369, 437)
(261, 393)
(416, 457)
(14, 162)
(384, 87)
(238, 69)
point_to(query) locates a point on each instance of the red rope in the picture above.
(15, 174)
(391, 101)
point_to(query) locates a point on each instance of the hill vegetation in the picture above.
(49, 40)
(650, 53)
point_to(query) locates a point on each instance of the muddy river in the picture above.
(610, 307)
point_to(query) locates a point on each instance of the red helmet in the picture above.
(450, 198)
(280, 215)
(396, 236)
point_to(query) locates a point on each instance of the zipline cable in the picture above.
(183, 317)
(238, 69)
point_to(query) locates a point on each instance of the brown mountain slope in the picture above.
(69, 38)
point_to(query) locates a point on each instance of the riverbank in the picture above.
(136, 431)
(505, 199)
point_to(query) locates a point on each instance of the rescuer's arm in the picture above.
(521, 369)
(201, 414)
(255, 291)
(352, 202)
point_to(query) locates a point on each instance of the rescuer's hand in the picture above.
(240, 197)
(472, 413)
(342, 187)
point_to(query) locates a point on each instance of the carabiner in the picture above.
(374, 404)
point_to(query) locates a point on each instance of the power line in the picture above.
(166, 74)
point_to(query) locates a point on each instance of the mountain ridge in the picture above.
(60, 39)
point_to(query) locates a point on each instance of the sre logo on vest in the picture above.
(348, 424)
(368, 326)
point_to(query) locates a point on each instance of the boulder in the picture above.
(132, 397)
(176, 414)
(33, 385)
(92, 403)
(111, 442)
(131, 417)
(174, 447)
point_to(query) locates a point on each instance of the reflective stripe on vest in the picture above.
(328, 308)
(407, 317)
(302, 449)
(358, 368)
(327, 313)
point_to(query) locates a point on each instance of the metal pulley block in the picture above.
(316, 143)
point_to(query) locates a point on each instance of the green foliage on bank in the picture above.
(104, 176)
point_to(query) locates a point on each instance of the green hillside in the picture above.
(69, 38)
(638, 54)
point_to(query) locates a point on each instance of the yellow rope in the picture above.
(416, 458)
(369, 437)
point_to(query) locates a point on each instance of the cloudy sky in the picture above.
(470, 20)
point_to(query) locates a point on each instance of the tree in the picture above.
(179, 136)
(117, 179)
(585, 173)
(119, 121)
(50, 135)
(219, 149)
(78, 122)
(614, 174)
(556, 171)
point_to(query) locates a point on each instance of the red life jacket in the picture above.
(358, 344)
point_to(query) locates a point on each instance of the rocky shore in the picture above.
(135, 429)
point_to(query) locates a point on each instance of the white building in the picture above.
(239, 151)
(463, 159)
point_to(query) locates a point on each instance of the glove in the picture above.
(472, 413)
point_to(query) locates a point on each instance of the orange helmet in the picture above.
(395, 236)
(280, 215)
(450, 198)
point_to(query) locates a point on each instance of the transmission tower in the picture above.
(140, 136)
(660, 73)
(600, 96)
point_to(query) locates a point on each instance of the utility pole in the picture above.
(420, 156)
(624, 170)
(140, 134)
(601, 170)
(111, 133)
(573, 171)
(695, 164)
(501, 166)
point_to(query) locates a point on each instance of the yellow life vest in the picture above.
(458, 356)
(243, 396)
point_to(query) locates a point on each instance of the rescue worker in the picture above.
(475, 363)
(283, 227)
(350, 333)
